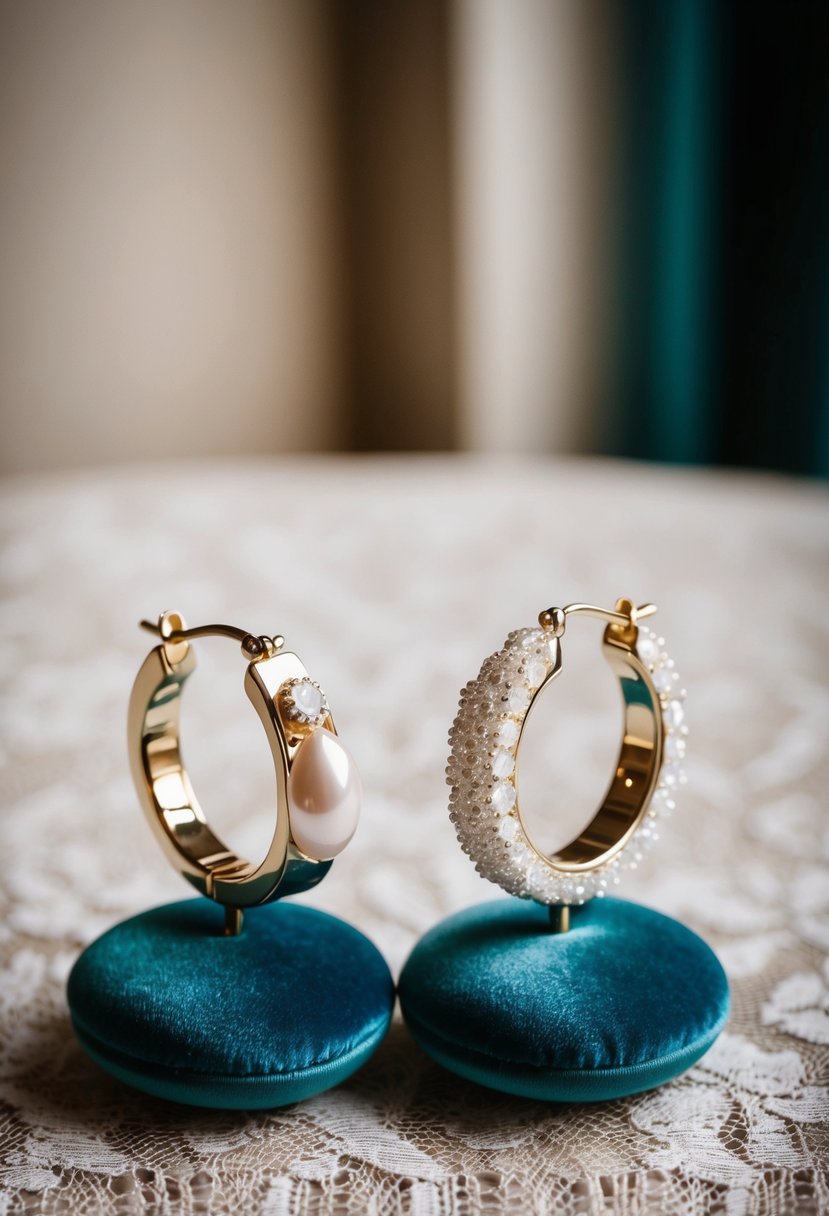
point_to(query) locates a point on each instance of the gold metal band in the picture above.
(640, 756)
(164, 787)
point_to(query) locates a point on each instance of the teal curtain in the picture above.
(722, 339)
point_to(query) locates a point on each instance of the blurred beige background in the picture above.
(268, 227)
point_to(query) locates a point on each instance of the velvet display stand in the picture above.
(622, 1002)
(292, 1006)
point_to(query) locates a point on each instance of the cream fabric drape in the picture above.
(303, 224)
(166, 233)
(531, 124)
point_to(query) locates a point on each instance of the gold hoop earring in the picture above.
(318, 787)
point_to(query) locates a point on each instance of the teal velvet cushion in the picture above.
(290, 1007)
(622, 1002)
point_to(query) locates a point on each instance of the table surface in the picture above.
(393, 578)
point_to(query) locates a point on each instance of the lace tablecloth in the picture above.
(393, 579)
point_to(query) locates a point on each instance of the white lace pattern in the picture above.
(392, 579)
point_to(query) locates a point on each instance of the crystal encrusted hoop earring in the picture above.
(559, 995)
(485, 741)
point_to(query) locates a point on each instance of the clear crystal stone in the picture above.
(503, 762)
(518, 698)
(675, 747)
(647, 837)
(663, 681)
(535, 873)
(535, 671)
(662, 803)
(305, 701)
(503, 797)
(648, 649)
(671, 776)
(532, 637)
(520, 855)
(508, 732)
(674, 714)
(544, 886)
(508, 828)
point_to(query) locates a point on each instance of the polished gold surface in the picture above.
(163, 785)
(624, 616)
(640, 757)
(559, 917)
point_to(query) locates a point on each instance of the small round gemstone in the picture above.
(520, 855)
(303, 701)
(648, 649)
(544, 886)
(535, 873)
(503, 797)
(508, 732)
(508, 828)
(307, 698)
(674, 714)
(662, 803)
(647, 837)
(672, 775)
(663, 680)
(675, 747)
(503, 762)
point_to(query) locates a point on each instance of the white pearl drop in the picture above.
(324, 796)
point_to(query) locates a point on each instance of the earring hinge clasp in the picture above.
(253, 647)
(624, 616)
